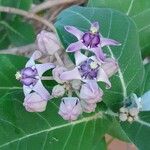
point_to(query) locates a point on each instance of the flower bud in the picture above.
(110, 66)
(58, 91)
(88, 108)
(47, 42)
(57, 72)
(70, 108)
(133, 111)
(76, 84)
(123, 117)
(130, 119)
(33, 102)
(90, 92)
(123, 110)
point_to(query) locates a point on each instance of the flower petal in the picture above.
(99, 53)
(41, 68)
(41, 90)
(73, 30)
(95, 25)
(75, 46)
(26, 90)
(103, 77)
(107, 42)
(79, 57)
(31, 61)
(71, 75)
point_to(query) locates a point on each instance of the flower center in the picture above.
(28, 76)
(91, 39)
(89, 69)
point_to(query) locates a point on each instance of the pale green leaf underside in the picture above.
(138, 10)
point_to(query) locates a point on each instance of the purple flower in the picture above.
(31, 75)
(33, 102)
(87, 68)
(90, 40)
(70, 108)
(90, 92)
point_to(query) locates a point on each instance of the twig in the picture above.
(49, 4)
(21, 49)
(60, 62)
(27, 15)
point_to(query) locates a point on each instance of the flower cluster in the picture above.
(80, 84)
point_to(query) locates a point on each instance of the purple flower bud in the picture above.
(57, 73)
(58, 91)
(76, 84)
(47, 42)
(70, 108)
(90, 92)
(87, 107)
(33, 102)
(110, 66)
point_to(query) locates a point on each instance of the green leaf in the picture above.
(46, 130)
(138, 131)
(136, 9)
(20, 33)
(4, 40)
(116, 131)
(146, 83)
(22, 4)
(115, 25)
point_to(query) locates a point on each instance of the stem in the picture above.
(26, 14)
(47, 78)
(60, 62)
(20, 50)
(49, 4)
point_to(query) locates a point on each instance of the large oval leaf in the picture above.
(47, 130)
(115, 25)
(138, 10)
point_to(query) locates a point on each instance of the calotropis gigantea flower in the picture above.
(89, 68)
(31, 75)
(47, 42)
(90, 92)
(33, 102)
(90, 40)
(70, 108)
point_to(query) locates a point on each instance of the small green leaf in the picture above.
(136, 9)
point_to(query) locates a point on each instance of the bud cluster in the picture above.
(128, 114)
